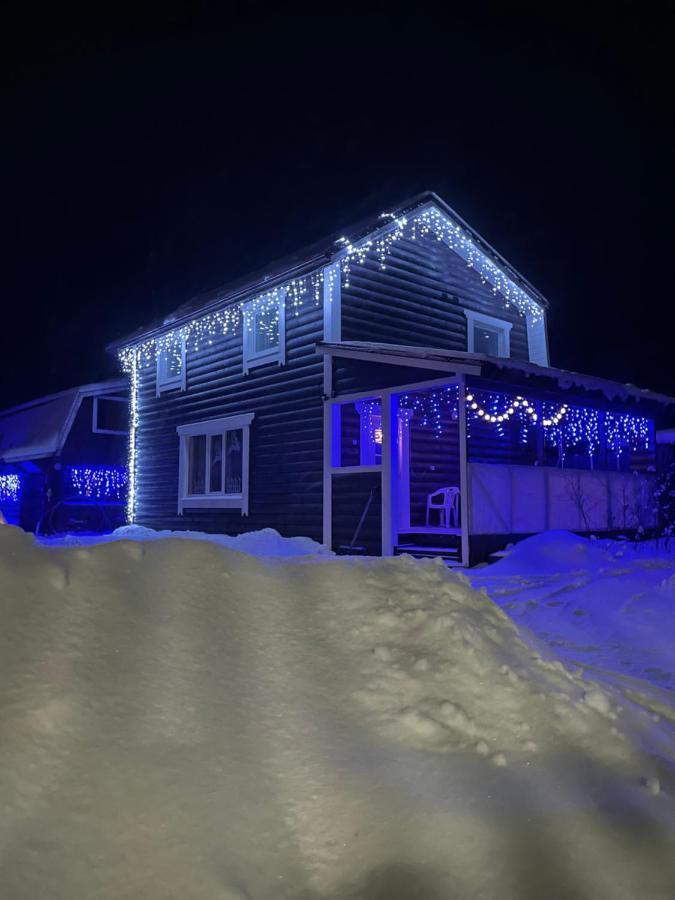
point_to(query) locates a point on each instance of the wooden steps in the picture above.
(449, 555)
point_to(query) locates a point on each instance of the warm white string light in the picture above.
(517, 405)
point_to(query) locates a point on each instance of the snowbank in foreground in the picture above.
(183, 721)
(266, 542)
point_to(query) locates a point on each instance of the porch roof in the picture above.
(481, 364)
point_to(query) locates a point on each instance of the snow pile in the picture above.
(263, 543)
(181, 720)
(553, 552)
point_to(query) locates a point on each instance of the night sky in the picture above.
(147, 160)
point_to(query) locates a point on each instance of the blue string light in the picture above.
(98, 482)
(10, 488)
(430, 406)
(625, 432)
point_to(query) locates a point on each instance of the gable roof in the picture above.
(40, 428)
(319, 254)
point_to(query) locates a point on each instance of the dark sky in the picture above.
(147, 160)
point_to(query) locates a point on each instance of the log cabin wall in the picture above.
(286, 436)
(419, 299)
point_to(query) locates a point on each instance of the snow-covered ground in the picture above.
(608, 606)
(182, 720)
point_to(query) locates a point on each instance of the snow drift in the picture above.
(183, 720)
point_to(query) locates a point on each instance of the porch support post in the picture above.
(389, 472)
(465, 500)
(327, 476)
(403, 468)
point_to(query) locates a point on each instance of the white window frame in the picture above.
(173, 382)
(252, 357)
(502, 327)
(94, 424)
(208, 428)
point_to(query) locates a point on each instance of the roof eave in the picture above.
(328, 254)
(265, 283)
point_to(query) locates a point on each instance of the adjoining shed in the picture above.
(63, 459)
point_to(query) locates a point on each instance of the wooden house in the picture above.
(388, 389)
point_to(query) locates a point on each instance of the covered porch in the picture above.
(461, 465)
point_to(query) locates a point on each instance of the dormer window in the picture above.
(487, 334)
(264, 331)
(171, 368)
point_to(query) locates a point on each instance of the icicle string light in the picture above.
(429, 222)
(563, 423)
(10, 487)
(626, 432)
(430, 406)
(98, 482)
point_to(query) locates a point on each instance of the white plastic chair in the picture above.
(446, 501)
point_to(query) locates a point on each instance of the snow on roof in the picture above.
(401, 353)
(39, 428)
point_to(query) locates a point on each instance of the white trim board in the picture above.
(405, 361)
(332, 302)
(216, 426)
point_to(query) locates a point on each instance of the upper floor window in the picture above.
(110, 415)
(214, 464)
(487, 334)
(264, 332)
(171, 368)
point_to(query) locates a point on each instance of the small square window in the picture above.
(264, 332)
(487, 334)
(110, 415)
